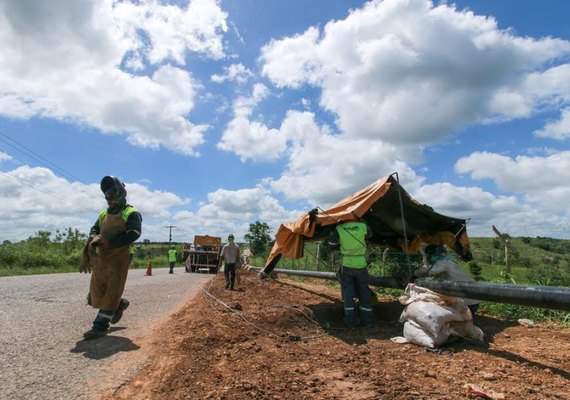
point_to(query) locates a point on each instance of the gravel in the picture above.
(43, 317)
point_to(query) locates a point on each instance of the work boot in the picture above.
(117, 315)
(92, 334)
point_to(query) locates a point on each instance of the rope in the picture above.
(269, 333)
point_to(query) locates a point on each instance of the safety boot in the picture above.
(117, 315)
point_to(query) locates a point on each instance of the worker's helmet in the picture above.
(111, 185)
(173, 247)
(230, 236)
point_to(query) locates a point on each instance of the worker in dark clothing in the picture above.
(231, 257)
(350, 237)
(106, 255)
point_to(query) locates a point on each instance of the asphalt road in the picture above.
(42, 320)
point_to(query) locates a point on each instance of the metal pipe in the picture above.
(551, 297)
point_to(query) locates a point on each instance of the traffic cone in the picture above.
(149, 269)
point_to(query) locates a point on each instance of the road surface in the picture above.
(42, 320)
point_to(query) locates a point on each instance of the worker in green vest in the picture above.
(350, 238)
(172, 258)
(132, 251)
(106, 256)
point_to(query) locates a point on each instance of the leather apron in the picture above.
(110, 267)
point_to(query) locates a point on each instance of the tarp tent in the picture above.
(391, 213)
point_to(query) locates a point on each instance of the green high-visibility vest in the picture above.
(352, 236)
(124, 214)
(171, 255)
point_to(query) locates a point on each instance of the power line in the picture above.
(26, 151)
(35, 156)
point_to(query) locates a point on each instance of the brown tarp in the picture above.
(380, 205)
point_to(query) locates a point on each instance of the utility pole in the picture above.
(170, 227)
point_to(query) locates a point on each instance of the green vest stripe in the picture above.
(124, 214)
(352, 236)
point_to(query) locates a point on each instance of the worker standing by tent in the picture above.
(350, 236)
(172, 259)
(106, 255)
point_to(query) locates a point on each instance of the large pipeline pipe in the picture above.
(551, 297)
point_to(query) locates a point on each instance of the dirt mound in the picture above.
(284, 339)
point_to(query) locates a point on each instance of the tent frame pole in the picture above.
(403, 223)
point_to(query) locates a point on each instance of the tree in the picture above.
(258, 238)
(40, 239)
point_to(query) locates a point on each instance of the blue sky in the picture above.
(216, 114)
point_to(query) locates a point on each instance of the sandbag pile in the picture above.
(431, 319)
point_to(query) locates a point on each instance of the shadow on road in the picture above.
(104, 347)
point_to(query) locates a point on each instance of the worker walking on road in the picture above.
(230, 255)
(350, 237)
(172, 259)
(106, 255)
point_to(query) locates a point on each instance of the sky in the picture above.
(217, 114)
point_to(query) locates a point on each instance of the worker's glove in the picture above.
(100, 241)
(84, 263)
(84, 266)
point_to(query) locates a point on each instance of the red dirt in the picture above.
(287, 342)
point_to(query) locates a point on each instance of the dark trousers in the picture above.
(355, 285)
(230, 274)
(172, 263)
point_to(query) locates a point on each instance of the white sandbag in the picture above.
(430, 319)
(414, 333)
(431, 316)
(466, 330)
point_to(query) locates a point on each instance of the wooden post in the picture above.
(318, 254)
(385, 255)
(507, 244)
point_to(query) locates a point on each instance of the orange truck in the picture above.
(203, 255)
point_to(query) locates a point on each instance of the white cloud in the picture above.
(35, 199)
(235, 72)
(486, 209)
(521, 174)
(323, 168)
(230, 211)
(558, 130)
(63, 60)
(404, 71)
(4, 156)
(251, 140)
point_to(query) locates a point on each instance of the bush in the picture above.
(476, 271)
